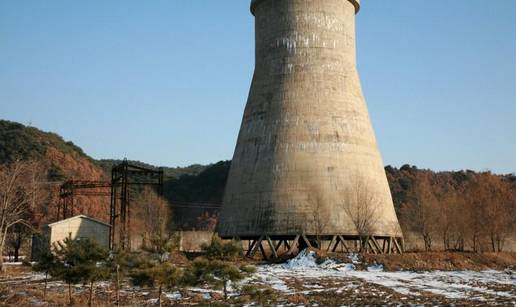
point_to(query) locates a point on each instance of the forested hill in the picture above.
(196, 183)
(406, 182)
(64, 159)
(209, 184)
(169, 172)
(18, 141)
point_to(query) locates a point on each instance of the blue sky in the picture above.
(166, 81)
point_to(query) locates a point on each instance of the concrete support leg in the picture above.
(271, 245)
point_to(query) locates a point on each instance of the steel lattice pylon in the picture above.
(123, 176)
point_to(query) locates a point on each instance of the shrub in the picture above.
(223, 250)
(263, 295)
(216, 273)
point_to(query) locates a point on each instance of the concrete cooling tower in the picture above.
(306, 169)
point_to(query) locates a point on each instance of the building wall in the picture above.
(191, 241)
(80, 228)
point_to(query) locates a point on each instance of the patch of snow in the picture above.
(354, 258)
(202, 290)
(315, 286)
(305, 259)
(453, 285)
(35, 302)
(22, 279)
(344, 267)
(103, 284)
(275, 282)
(174, 296)
(37, 276)
(375, 268)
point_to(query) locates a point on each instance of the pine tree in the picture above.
(161, 275)
(216, 273)
(83, 260)
(214, 269)
(157, 270)
(120, 263)
(48, 264)
(222, 250)
(263, 295)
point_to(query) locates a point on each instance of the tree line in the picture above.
(458, 211)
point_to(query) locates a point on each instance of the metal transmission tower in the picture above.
(71, 188)
(123, 177)
(306, 168)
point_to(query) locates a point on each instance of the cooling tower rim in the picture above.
(255, 3)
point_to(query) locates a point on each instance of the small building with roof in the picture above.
(78, 227)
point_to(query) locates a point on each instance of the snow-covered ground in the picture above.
(308, 276)
(304, 281)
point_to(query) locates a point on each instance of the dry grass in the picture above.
(444, 261)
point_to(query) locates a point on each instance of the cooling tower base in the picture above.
(274, 247)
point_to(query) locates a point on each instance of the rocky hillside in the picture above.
(65, 159)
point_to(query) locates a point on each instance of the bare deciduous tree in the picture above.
(153, 213)
(20, 190)
(16, 236)
(497, 211)
(452, 220)
(421, 216)
(319, 218)
(475, 197)
(459, 225)
(362, 208)
(207, 221)
(446, 207)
